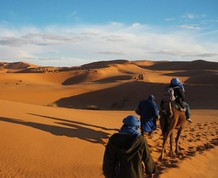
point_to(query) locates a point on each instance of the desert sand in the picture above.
(55, 122)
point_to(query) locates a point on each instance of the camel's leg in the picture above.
(165, 137)
(164, 134)
(169, 133)
(177, 139)
(163, 147)
(171, 146)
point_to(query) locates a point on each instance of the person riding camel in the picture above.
(179, 93)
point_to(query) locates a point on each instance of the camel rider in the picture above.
(179, 92)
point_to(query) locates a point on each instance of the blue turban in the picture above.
(131, 121)
(177, 82)
(130, 125)
(151, 97)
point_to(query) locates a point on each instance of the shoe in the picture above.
(189, 120)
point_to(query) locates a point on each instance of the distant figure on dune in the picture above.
(127, 154)
(140, 77)
(148, 111)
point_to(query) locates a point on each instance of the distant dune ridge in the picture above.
(56, 121)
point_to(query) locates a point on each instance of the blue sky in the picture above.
(75, 32)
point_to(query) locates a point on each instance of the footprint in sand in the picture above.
(204, 134)
(191, 140)
(192, 148)
(198, 134)
(192, 129)
(198, 139)
(214, 141)
(200, 149)
(198, 124)
(183, 136)
(208, 146)
(206, 124)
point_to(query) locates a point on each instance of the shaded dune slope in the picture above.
(182, 65)
(123, 96)
(126, 96)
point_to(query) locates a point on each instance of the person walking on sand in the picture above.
(148, 111)
(127, 154)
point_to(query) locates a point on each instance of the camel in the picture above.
(173, 118)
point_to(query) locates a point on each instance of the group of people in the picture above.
(127, 154)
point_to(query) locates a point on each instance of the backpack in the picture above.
(168, 95)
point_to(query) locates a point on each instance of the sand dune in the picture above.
(100, 77)
(44, 132)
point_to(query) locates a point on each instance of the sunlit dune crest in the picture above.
(56, 121)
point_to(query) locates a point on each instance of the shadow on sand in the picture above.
(74, 122)
(73, 129)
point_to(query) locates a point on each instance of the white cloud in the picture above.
(210, 21)
(73, 16)
(76, 45)
(192, 27)
(170, 19)
(189, 16)
(193, 16)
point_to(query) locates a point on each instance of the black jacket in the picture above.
(179, 94)
(124, 157)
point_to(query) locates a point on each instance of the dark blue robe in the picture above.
(149, 114)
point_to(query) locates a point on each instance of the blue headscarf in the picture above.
(130, 125)
(151, 97)
(177, 82)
